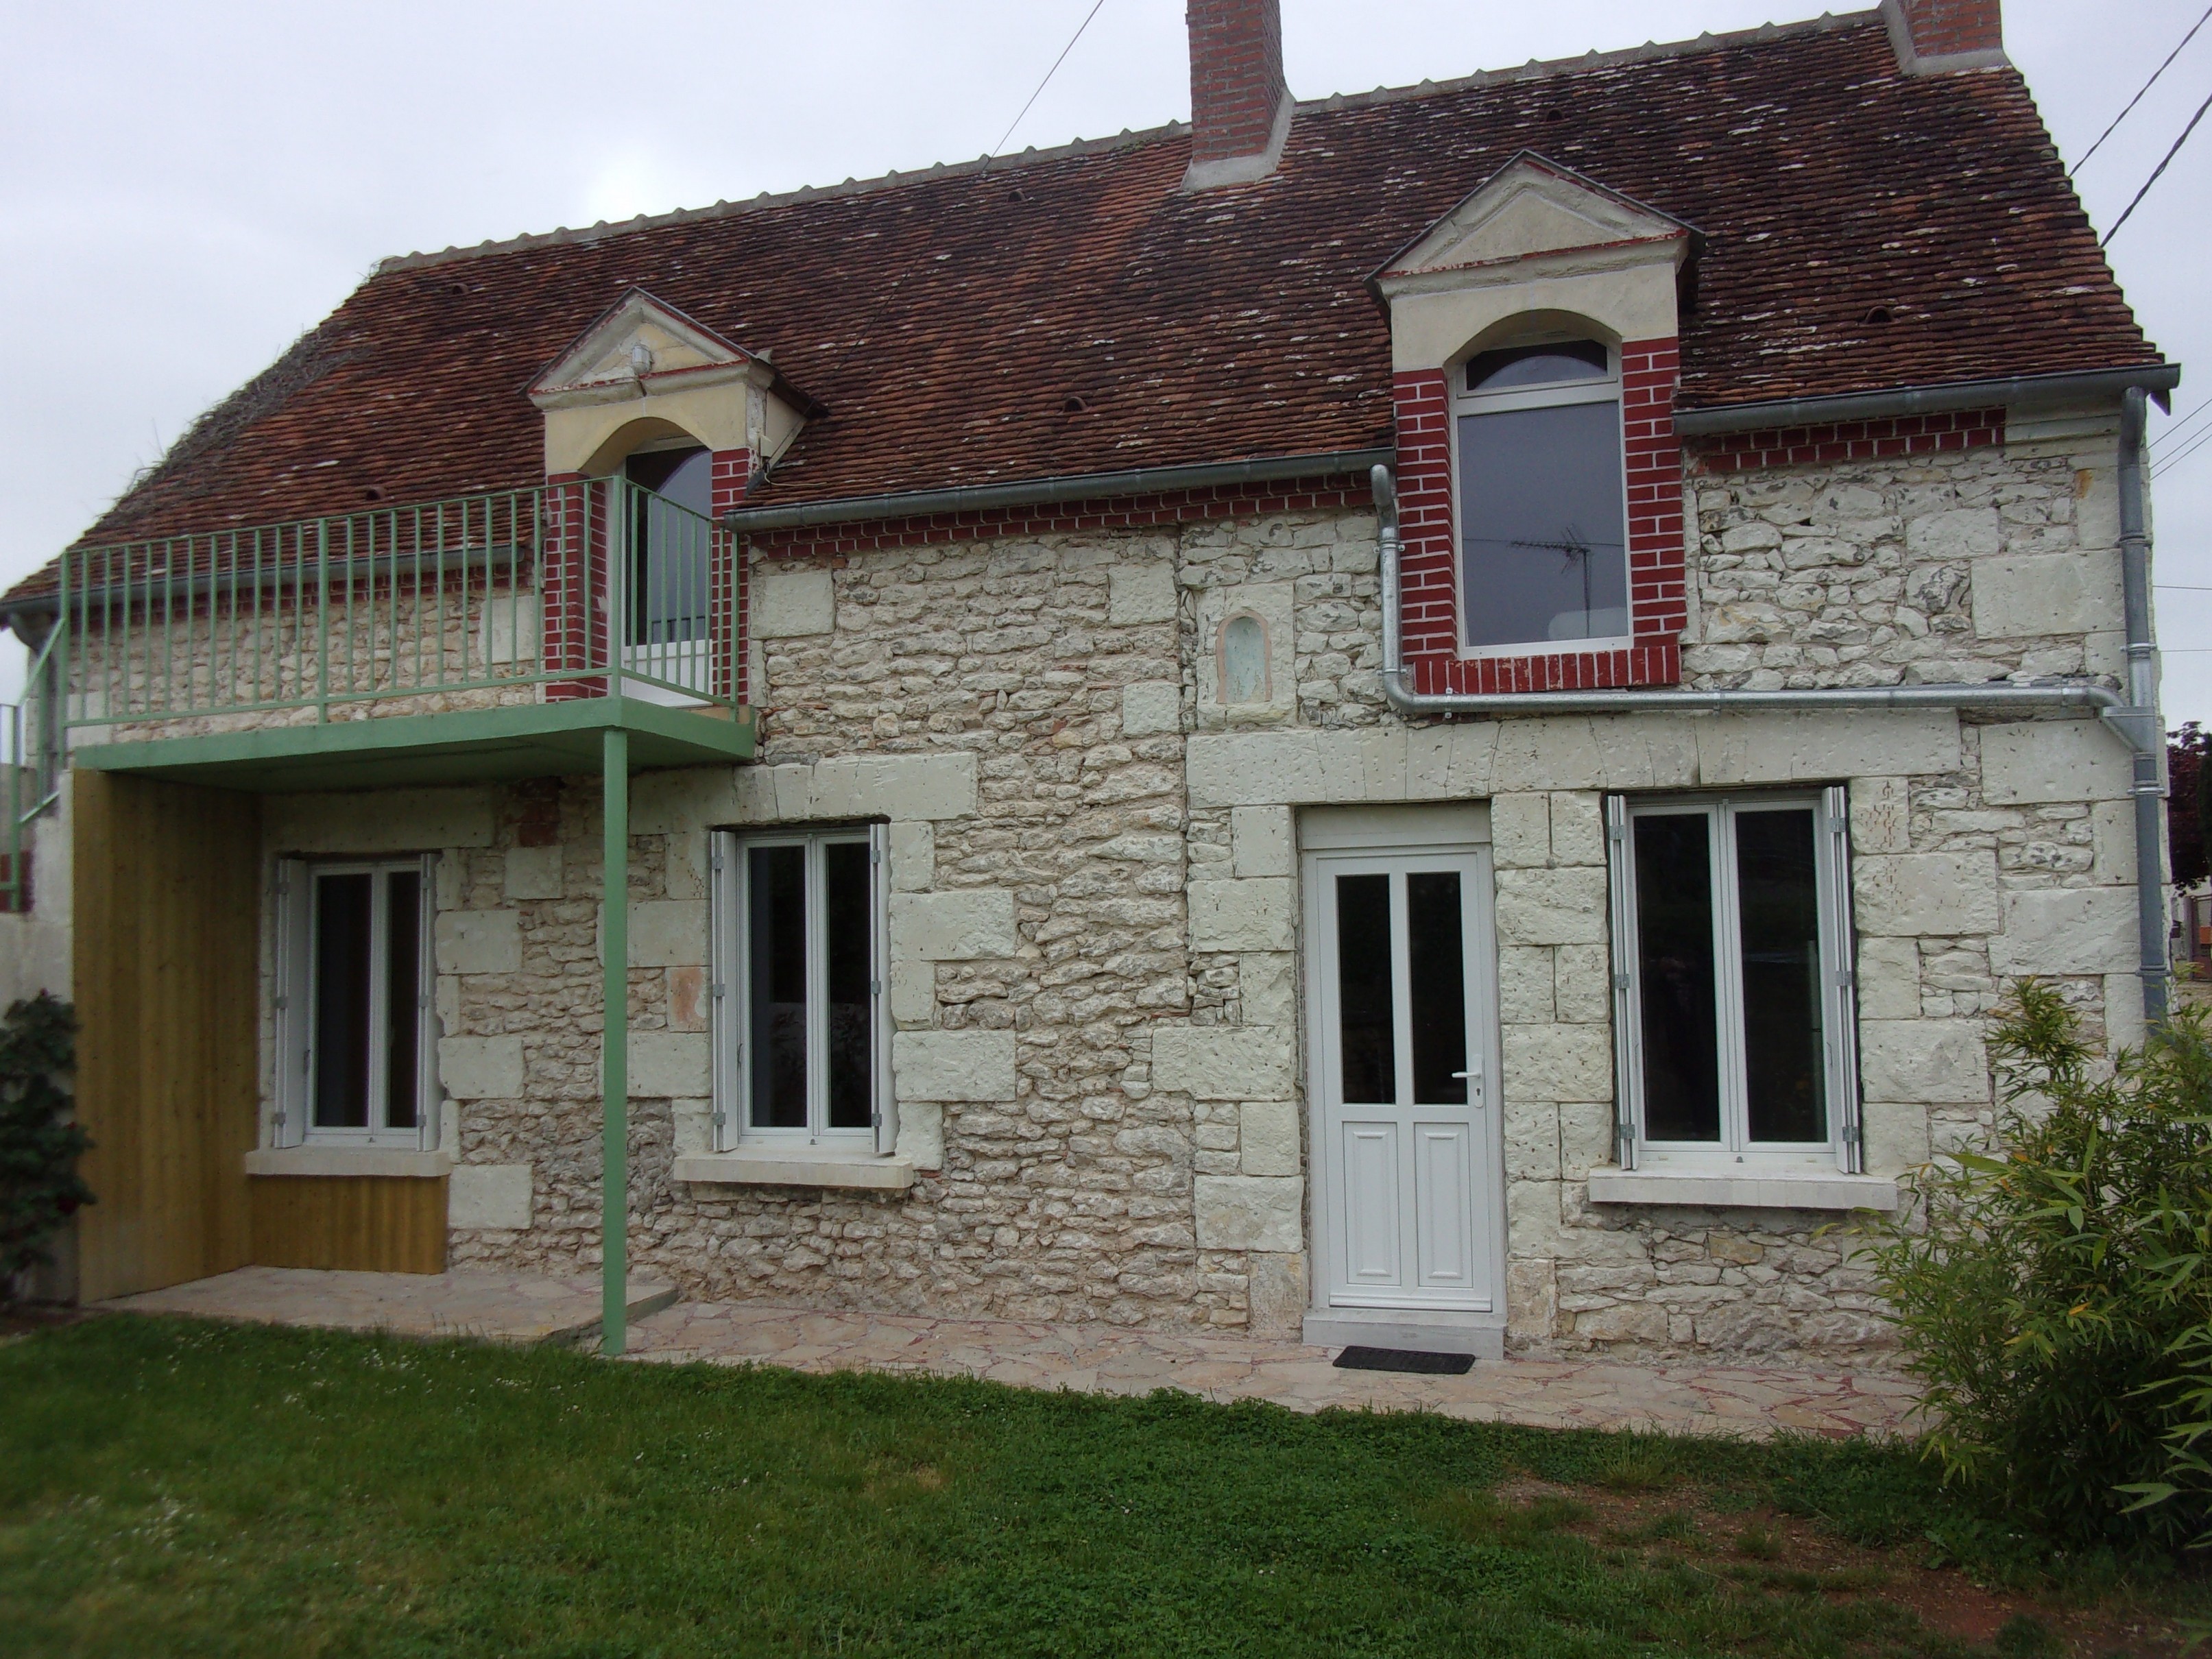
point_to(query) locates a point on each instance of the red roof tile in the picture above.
(944, 318)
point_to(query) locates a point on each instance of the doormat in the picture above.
(1405, 1359)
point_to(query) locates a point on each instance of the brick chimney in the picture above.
(1240, 108)
(1934, 37)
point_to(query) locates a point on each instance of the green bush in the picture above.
(2056, 1299)
(39, 1150)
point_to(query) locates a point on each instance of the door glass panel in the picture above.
(402, 982)
(851, 965)
(1543, 545)
(1367, 1037)
(775, 909)
(1778, 898)
(341, 991)
(1433, 936)
(1675, 977)
(669, 535)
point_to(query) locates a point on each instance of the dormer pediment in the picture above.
(644, 369)
(1534, 214)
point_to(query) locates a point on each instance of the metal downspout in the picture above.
(2135, 721)
(2146, 729)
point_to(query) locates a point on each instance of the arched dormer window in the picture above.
(1542, 498)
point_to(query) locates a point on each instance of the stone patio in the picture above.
(1586, 1394)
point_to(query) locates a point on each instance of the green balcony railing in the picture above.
(560, 590)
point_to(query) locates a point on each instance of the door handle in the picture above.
(1477, 1076)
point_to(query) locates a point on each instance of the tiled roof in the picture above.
(945, 318)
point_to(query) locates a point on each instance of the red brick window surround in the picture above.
(1435, 660)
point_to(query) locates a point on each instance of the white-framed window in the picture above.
(1539, 481)
(801, 974)
(355, 1044)
(1733, 988)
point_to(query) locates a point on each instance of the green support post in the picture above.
(614, 1060)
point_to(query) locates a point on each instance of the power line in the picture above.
(2172, 461)
(2138, 97)
(1049, 74)
(2155, 171)
(2174, 428)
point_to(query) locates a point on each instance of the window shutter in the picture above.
(294, 1015)
(879, 867)
(1839, 970)
(430, 1088)
(1628, 1042)
(724, 1017)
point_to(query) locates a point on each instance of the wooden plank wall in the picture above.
(166, 895)
(369, 1224)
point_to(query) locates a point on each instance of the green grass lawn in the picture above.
(169, 1488)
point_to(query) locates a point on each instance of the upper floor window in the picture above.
(1542, 496)
(669, 551)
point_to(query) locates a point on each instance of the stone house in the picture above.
(1431, 717)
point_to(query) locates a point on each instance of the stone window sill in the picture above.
(1807, 1191)
(773, 1166)
(339, 1162)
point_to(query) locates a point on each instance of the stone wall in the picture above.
(1096, 906)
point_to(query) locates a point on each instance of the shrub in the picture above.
(2056, 1298)
(39, 1184)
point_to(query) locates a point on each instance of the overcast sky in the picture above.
(185, 189)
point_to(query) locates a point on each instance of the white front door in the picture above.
(1404, 1091)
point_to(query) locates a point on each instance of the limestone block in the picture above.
(788, 604)
(914, 856)
(1583, 974)
(1259, 681)
(2067, 930)
(1882, 816)
(479, 942)
(1624, 1321)
(1260, 837)
(1256, 915)
(952, 1066)
(667, 932)
(669, 1065)
(1578, 828)
(2124, 1011)
(488, 1195)
(1525, 985)
(687, 998)
(1533, 1220)
(686, 799)
(1551, 907)
(1587, 1137)
(686, 869)
(1743, 749)
(1267, 986)
(1249, 1212)
(921, 1133)
(1276, 1284)
(1896, 1136)
(913, 992)
(1558, 1062)
(1941, 895)
(1934, 1062)
(1532, 1140)
(2112, 831)
(404, 821)
(1140, 592)
(960, 926)
(1889, 979)
(2030, 761)
(533, 873)
(1520, 831)
(1268, 1133)
(2018, 596)
(894, 787)
(1150, 707)
(1224, 1062)
(1532, 1297)
(1963, 533)
(480, 1068)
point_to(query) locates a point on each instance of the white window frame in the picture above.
(295, 1008)
(732, 994)
(1736, 1153)
(1464, 402)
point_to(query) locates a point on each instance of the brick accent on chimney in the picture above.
(1240, 106)
(1934, 37)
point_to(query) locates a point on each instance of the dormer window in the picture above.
(1542, 498)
